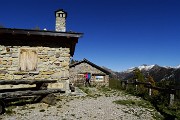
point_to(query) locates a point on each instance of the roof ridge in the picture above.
(87, 61)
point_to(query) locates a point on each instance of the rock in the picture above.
(57, 55)
(56, 85)
(51, 53)
(49, 99)
(56, 75)
(3, 72)
(66, 55)
(47, 72)
(14, 55)
(4, 62)
(64, 64)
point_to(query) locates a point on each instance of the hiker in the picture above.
(87, 77)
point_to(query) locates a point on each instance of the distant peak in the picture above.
(168, 67)
(145, 67)
(177, 66)
(141, 67)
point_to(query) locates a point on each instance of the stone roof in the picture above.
(92, 64)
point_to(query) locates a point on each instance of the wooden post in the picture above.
(150, 90)
(136, 84)
(171, 99)
(127, 85)
(123, 84)
(30, 82)
(18, 94)
(171, 102)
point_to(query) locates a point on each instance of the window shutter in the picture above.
(31, 60)
(23, 61)
(28, 60)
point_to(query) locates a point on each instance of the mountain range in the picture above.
(159, 73)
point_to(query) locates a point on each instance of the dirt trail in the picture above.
(97, 105)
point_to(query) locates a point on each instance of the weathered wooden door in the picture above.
(28, 60)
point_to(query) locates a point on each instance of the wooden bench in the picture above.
(13, 93)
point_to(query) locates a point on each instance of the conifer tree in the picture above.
(73, 61)
(138, 75)
(151, 80)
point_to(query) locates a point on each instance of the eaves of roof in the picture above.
(39, 32)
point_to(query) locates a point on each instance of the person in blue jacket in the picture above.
(88, 78)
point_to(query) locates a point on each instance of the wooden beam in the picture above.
(17, 89)
(19, 94)
(30, 82)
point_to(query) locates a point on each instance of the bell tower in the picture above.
(60, 20)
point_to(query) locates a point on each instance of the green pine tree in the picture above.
(138, 75)
(153, 83)
(73, 61)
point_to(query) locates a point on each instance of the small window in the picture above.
(64, 15)
(28, 60)
(99, 78)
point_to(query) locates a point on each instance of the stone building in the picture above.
(38, 54)
(100, 76)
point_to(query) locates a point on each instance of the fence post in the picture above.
(136, 84)
(123, 84)
(171, 97)
(127, 85)
(150, 90)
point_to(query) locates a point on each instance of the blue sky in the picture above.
(118, 34)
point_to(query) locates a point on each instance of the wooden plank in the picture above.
(17, 89)
(18, 94)
(30, 82)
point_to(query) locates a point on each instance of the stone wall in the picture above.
(83, 68)
(52, 64)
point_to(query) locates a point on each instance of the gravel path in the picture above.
(83, 108)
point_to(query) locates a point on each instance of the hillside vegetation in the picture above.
(160, 99)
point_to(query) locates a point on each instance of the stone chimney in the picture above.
(60, 20)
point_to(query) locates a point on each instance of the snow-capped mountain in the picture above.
(177, 67)
(157, 72)
(142, 67)
(145, 67)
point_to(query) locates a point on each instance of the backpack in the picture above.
(89, 76)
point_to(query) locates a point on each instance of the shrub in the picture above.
(115, 84)
(9, 110)
(142, 103)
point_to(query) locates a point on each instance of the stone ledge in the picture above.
(25, 73)
(64, 78)
(4, 53)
